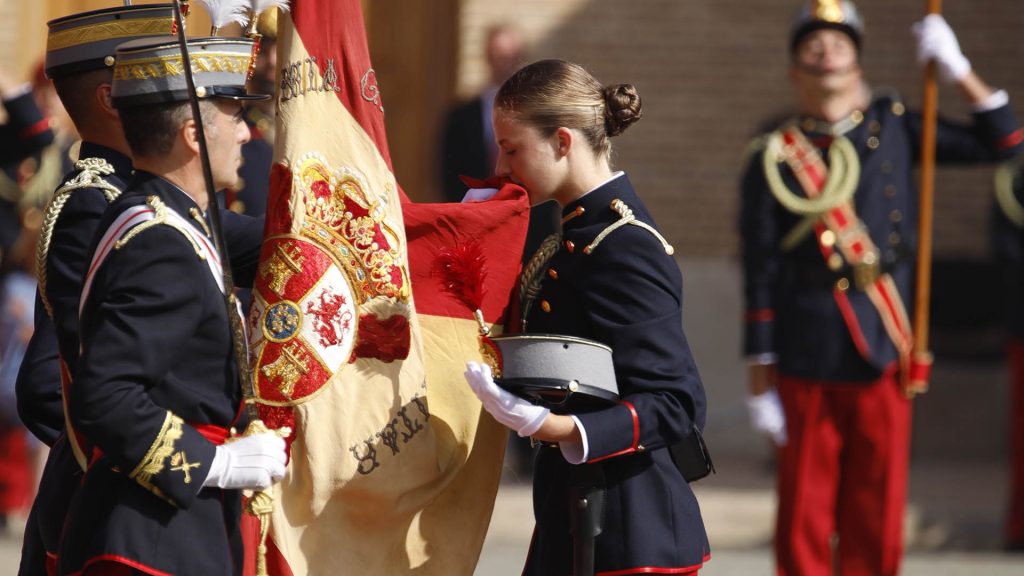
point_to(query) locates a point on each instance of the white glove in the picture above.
(507, 408)
(252, 463)
(936, 41)
(767, 417)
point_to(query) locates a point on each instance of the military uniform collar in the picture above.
(174, 197)
(816, 126)
(588, 208)
(122, 164)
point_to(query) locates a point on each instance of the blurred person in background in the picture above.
(1008, 246)
(19, 451)
(24, 132)
(467, 142)
(829, 224)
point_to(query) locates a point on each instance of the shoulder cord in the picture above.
(530, 280)
(1006, 174)
(91, 176)
(843, 177)
(626, 217)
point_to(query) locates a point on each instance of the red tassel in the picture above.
(462, 272)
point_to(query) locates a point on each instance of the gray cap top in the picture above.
(151, 71)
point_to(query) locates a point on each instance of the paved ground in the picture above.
(953, 523)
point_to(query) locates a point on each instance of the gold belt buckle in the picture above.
(866, 271)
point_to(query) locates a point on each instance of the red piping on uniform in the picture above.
(121, 560)
(636, 435)
(1010, 140)
(215, 434)
(656, 570)
(35, 129)
(852, 324)
(760, 315)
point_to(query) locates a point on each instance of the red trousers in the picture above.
(843, 472)
(1015, 520)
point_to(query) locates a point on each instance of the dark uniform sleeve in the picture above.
(25, 132)
(139, 314)
(38, 387)
(759, 234)
(243, 236)
(994, 135)
(632, 296)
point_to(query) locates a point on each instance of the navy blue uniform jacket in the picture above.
(156, 365)
(791, 310)
(627, 294)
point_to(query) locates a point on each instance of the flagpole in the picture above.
(922, 296)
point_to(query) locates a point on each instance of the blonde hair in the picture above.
(550, 94)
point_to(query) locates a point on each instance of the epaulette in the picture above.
(755, 147)
(626, 217)
(895, 100)
(90, 175)
(1010, 205)
(161, 216)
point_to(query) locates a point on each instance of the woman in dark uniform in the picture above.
(612, 280)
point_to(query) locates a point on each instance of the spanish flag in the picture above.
(358, 344)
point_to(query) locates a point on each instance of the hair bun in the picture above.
(622, 107)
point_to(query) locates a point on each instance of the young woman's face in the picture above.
(528, 158)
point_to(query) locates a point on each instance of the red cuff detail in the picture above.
(215, 434)
(920, 373)
(760, 315)
(35, 129)
(1010, 140)
(636, 435)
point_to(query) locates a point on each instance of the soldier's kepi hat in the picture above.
(87, 41)
(833, 14)
(150, 71)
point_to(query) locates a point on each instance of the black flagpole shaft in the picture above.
(217, 230)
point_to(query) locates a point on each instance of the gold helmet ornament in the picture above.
(839, 15)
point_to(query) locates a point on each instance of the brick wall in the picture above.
(710, 72)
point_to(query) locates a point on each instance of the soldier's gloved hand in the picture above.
(253, 462)
(512, 411)
(936, 41)
(767, 417)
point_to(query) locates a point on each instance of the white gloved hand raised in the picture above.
(253, 463)
(767, 417)
(936, 41)
(512, 411)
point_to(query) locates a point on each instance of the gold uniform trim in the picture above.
(164, 66)
(161, 216)
(155, 459)
(91, 175)
(108, 31)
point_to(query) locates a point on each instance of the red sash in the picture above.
(848, 235)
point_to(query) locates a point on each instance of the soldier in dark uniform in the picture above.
(828, 224)
(1008, 244)
(79, 61)
(26, 132)
(155, 389)
(613, 280)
